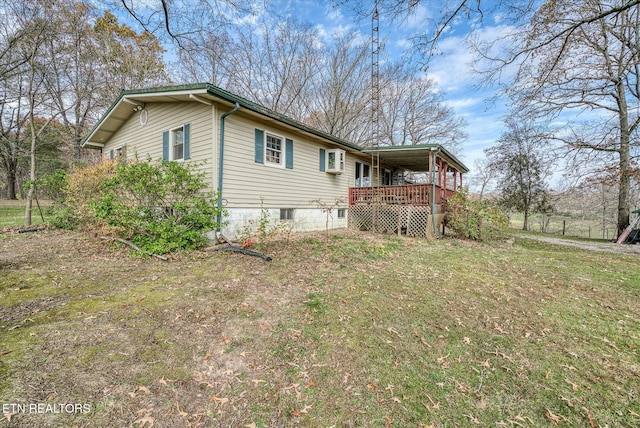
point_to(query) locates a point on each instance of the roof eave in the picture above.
(421, 147)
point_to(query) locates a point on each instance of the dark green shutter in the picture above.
(187, 149)
(289, 153)
(165, 145)
(322, 160)
(259, 146)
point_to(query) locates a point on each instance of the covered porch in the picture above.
(409, 194)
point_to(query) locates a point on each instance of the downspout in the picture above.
(433, 190)
(221, 163)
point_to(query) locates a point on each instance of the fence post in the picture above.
(564, 226)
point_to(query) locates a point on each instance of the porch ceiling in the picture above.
(415, 158)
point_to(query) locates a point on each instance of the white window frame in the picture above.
(340, 160)
(172, 143)
(342, 212)
(282, 151)
(359, 169)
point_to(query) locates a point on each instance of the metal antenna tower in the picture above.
(375, 96)
(375, 118)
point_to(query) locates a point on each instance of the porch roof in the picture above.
(415, 158)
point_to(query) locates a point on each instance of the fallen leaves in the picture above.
(145, 418)
(422, 340)
(592, 423)
(220, 401)
(552, 417)
(304, 410)
(573, 385)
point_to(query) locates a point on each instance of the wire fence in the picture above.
(12, 212)
(592, 228)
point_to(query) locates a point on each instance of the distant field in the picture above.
(12, 212)
(567, 226)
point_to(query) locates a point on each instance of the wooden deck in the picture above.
(411, 194)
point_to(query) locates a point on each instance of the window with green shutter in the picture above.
(273, 150)
(176, 143)
(323, 158)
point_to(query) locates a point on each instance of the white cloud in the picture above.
(418, 17)
(463, 103)
(334, 14)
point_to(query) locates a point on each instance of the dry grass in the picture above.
(361, 331)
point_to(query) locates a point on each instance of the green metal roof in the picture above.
(121, 110)
(410, 155)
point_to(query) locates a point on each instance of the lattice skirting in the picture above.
(412, 220)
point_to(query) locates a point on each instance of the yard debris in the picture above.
(33, 229)
(245, 251)
(553, 417)
(132, 245)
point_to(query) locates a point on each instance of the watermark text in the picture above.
(44, 408)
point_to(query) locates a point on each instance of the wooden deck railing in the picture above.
(413, 194)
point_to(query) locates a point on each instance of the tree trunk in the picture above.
(625, 160)
(11, 183)
(525, 225)
(32, 176)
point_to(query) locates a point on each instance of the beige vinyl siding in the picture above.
(146, 141)
(245, 182)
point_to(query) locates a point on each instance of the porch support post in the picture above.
(455, 179)
(444, 172)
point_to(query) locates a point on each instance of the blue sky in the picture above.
(450, 68)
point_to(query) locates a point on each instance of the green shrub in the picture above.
(161, 207)
(478, 220)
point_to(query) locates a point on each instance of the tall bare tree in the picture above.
(24, 27)
(72, 76)
(340, 103)
(485, 173)
(274, 65)
(413, 111)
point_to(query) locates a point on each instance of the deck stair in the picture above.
(624, 235)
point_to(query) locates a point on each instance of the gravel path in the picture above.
(609, 247)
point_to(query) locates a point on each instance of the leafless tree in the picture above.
(24, 27)
(274, 66)
(206, 57)
(183, 21)
(71, 75)
(484, 174)
(340, 91)
(413, 111)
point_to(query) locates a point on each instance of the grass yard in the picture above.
(365, 330)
